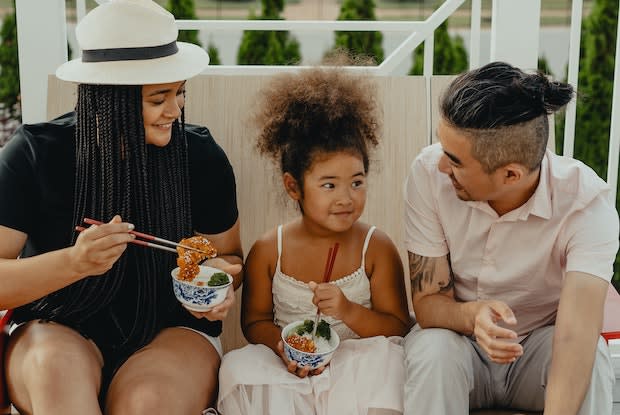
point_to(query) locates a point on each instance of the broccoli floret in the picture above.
(306, 327)
(219, 278)
(322, 330)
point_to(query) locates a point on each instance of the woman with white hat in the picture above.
(96, 325)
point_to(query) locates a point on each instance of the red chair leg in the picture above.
(5, 405)
(611, 320)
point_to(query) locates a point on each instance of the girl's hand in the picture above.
(292, 367)
(99, 247)
(220, 311)
(330, 300)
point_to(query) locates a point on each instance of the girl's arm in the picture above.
(257, 303)
(389, 315)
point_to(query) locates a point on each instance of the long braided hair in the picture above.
(118, 173)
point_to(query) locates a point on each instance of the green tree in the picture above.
(268, 47)
(450, 56)
(9, 65)
(186, 10)
(596, 70)
(359, 43)
(543, 66)
(214, 55)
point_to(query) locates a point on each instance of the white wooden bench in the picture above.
(224, 102)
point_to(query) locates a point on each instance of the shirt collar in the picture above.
(540, 202)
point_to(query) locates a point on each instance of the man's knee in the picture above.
(436, 347)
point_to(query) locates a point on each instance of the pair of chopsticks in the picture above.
(147, 237)
(329, 266)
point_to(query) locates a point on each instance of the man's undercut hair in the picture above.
(504, 112)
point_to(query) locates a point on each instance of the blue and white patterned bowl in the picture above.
(312, 360)
(196, 295)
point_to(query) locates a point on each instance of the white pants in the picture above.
(448, 373)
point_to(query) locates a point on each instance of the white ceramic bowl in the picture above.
(196, 295)
(312, 360)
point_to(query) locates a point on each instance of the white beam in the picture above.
(614, 134)
(42, 47)
(474, 34)
(515, 32)
(300, 25)
(432, 22)
(573, 76)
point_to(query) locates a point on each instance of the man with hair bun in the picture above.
(511, 250)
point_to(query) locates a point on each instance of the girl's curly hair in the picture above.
(314, 112)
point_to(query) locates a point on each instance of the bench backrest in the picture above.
(223, 103)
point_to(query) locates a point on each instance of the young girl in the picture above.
(319, 125)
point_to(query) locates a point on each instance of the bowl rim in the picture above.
(287, 329)
(193, 284)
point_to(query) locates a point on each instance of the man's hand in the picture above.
(496, 341)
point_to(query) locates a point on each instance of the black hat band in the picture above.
(129, 54)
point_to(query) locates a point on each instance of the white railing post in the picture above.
(429, 52)
(80, 10)
(614, 133)
(42, 46)
(573, 77)
(515, 32)
(474, 34)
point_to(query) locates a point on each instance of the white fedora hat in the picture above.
(131, 42)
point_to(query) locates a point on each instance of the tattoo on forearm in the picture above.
(426, 274)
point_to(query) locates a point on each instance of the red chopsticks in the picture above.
(329, 264)
(4, 321)
(147, 237)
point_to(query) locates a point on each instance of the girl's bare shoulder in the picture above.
(266, 245)
(381, 247)
(379, 239)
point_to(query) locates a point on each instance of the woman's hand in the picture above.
(294, 368)
(220, 311)
(99, 247)
(330, 300)
(223, 265)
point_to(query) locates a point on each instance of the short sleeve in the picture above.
(18, 183)
(213, 187)
(424, 233)
(592, 234)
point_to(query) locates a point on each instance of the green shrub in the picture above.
(9, 65)
(185, 10)
(359, 43)
(268, 47)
